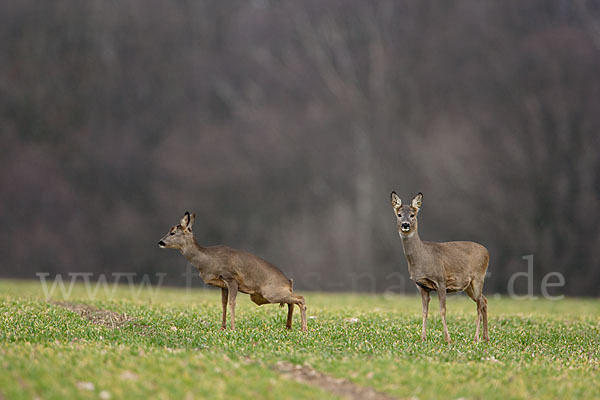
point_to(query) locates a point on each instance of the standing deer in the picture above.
(234, 270)
(444, 267)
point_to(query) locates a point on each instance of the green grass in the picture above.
(175, 349)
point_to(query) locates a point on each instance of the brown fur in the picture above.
(235, 270)
(443, 267)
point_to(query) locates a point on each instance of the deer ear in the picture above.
(185, 220)
(417, 201)
(191, 217)
(396, 202)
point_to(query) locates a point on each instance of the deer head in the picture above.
(406, 215)
(179, 235)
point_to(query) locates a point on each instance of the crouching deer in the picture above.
(443, 267)
(234, 270)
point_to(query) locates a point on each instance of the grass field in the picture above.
(169, 345)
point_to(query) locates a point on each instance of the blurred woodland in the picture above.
(285, 125)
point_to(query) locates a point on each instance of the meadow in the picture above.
(169, 345)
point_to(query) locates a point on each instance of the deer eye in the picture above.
(399, 215)
(172, 233)
(412, 215)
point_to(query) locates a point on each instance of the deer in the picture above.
(235, 271)
(443, 267)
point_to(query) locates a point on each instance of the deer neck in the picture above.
(413, 246)
(196, 254)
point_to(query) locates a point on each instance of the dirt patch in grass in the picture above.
(97, 316)
(339, 387)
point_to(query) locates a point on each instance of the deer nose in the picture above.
(161, 243)
(405, 225)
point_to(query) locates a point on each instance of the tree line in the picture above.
(285, 126)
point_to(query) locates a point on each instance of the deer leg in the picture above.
(224, 293)
(486, 336)
(288, 323)
(302, 305)
(476, 339)
(425, 302)
(442, 296)
(232, 287)
(475, 294)
(291, 299)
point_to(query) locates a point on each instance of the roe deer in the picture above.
(444, 267)
(234, 270)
